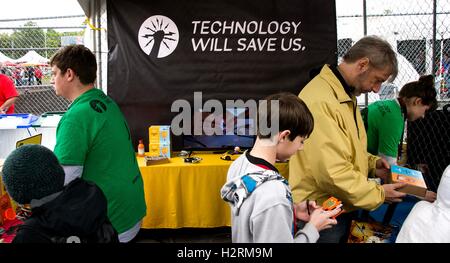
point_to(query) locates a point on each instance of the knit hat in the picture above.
(32, 172)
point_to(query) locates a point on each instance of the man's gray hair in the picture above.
(378, 51)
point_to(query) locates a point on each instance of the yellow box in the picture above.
(159, 150)
(159, 134)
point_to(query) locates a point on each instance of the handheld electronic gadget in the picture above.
(332, 203)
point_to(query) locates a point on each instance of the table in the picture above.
(182, 194)
(46, 125)
(9, 137)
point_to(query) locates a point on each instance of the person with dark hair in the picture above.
(260, 198)
(74, 213)
(335, 161)
(31, 76)
(385, 126)
(385, 120)
(445, 64)
(38, 74)
(93, 140)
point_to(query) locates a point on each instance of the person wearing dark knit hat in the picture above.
(32, 172)
(60, 214)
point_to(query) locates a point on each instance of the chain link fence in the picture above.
(411, 26)
(26, 45)
(419, 31)
(428, 146)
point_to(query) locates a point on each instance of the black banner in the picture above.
(161, 51)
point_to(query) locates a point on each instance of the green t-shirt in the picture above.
(384, 127)
(93, 133)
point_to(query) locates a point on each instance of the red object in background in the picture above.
(38, 73)
(8, 219)
(5, 204)
(10, 214)
(10, 227)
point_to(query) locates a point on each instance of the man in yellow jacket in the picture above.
(335, 161)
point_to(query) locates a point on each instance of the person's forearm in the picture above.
(5, 106)
(391, 160)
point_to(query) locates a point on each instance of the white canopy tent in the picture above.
(32, 58)
(5, 59)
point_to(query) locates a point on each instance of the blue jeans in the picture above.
(401, 211)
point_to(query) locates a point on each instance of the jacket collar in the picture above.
(260, 162)
(338, 84)
(39, 202)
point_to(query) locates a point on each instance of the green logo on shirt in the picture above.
(98, 106)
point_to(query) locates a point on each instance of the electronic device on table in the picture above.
(234, 128)
(232, 155)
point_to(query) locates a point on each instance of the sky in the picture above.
(39, 8)
(17, 9)
(353, 7)
(47, 8)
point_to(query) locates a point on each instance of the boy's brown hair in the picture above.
(294, 115)
(78, 58)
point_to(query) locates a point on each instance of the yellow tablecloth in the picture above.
(182, 194)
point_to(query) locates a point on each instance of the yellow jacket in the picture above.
(334, 161)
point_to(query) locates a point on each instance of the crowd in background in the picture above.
(25, 75)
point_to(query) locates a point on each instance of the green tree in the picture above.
(28, 38)
(5, 42)
(53, 42)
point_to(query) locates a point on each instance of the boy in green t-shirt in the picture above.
(93, 140)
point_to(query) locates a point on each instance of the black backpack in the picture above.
(32, 232)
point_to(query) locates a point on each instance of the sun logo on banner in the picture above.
(158, 36)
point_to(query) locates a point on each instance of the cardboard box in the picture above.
(159, 150)
(155, 160)
(159, 141)
(414, 179)
(159, 134)
(370, 232)
(17, 120)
